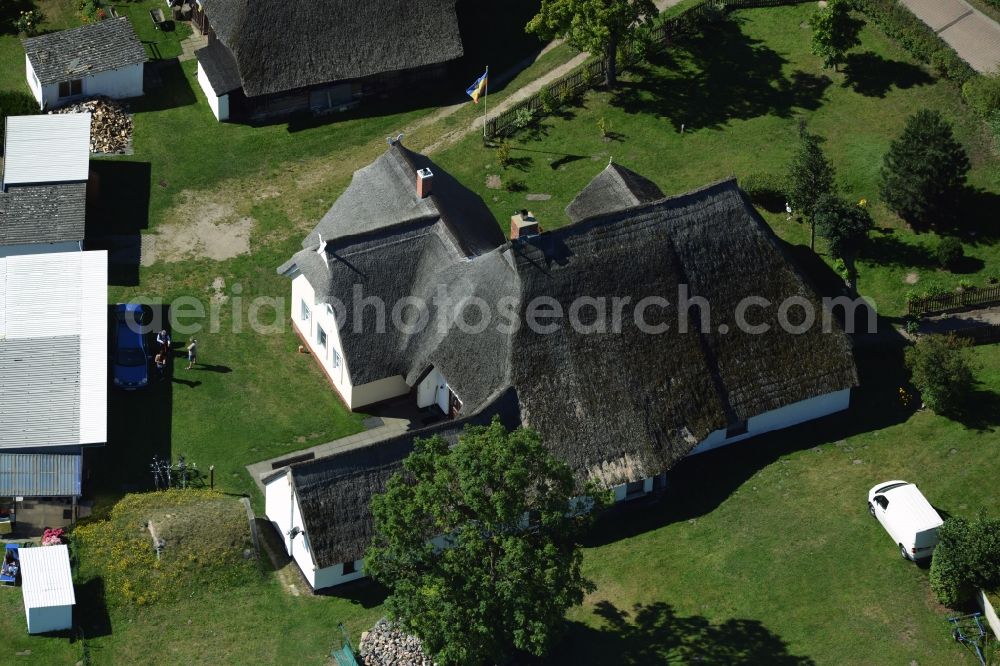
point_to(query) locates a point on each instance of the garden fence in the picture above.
(594, 72)
(981, 335)
(939, 303)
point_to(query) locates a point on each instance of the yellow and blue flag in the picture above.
(477, 89)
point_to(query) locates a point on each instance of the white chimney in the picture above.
(523, 224)
(425, 182)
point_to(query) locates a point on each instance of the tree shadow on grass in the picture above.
(978, 221)
(716, 77)
(890, 250)
(871, 75)
(657, 634)
(981, 411)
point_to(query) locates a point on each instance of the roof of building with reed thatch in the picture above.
(280, 46)
(334, 492)
(618, 404)
(613, 189)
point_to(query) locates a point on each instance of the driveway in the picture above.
(973, 35)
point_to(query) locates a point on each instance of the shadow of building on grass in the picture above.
(117, 212)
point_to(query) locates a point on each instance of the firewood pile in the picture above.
(110, 124)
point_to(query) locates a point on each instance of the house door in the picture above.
(454, 405)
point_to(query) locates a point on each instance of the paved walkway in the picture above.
(973, 35)
(192, 44)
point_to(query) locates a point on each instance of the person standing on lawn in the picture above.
(192, 350)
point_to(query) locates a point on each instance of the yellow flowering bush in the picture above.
(204, 536)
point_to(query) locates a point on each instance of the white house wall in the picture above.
(121, 83)
(219, 105)
(33, 82)
(320, 316)
(49, 618)
(282, 509)
(785, 417)
(379, 390)
(331, 358)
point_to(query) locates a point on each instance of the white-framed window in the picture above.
(305, 313)
(321, 337)
(71, 88)
(336, 358)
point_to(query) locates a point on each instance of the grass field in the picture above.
(739, 93)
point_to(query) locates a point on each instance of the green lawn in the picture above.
(767, 550)
(739, 92)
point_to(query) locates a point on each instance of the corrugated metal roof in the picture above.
(47, 149)
(53, 349)
(46, 579)
(40, 474)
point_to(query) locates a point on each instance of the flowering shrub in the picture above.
(28, 22)
(53, 537)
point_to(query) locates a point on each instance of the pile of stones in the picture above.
(386, 645)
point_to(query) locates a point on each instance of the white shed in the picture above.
(47, 586)
(102, 58)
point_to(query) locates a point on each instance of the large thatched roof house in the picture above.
(620, 400)
(272, 58)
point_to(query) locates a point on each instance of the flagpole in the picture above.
(486, 93)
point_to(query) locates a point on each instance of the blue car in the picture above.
(129, 348)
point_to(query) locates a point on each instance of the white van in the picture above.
(907, 516)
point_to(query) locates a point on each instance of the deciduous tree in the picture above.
(941, 372)
(834, 32)
(924, 171)
(845, 226)
(810, 178)
(510, 566)
(597, 26)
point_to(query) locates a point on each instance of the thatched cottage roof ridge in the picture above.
(383, 194)
(281, 46)
(613, 189)
(334, 492)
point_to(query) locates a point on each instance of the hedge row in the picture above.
(915, 36)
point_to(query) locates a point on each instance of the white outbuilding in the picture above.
(47, 586)
(102, 58)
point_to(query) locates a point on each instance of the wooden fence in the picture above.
(593, 73)
(981, 335)
(969, 298)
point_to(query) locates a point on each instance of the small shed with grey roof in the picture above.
(101, 58)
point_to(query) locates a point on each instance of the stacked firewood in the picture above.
(110, 124)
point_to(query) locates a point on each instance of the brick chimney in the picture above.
(523, 224)
(425, 182)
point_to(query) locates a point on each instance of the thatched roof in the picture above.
(220, 67)
(615, 406)
(79, 52)
(280, 46)
(622, 407)
(616, 188)
(334, 492)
